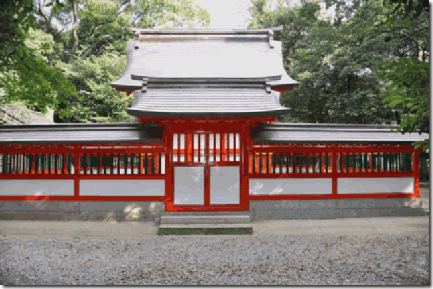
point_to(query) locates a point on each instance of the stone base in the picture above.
(340, 208)
(206, 229)
(80, 211)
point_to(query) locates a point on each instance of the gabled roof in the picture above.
(201, 98)
(247, 53)
(331, 133)
(205, 73)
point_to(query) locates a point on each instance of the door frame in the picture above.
(244, 135)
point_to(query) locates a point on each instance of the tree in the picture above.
(334, 59)
(25, 72)
(408, 74)
(67, 53)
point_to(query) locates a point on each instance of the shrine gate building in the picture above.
(206, 139)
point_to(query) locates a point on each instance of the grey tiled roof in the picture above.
(234, 54)
(150, 133)
(80, 133)
(331, 133)
(206, 100)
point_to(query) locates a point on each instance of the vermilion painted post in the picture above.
(169, 170)
(244, 149)
(77, 175)
(334, 172)
(207, 173)
(416, 172)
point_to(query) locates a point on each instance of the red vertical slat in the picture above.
(370, 162)
(178, 147)
(189, 142)
(222, 146)
(207, 173)
(199, 147)
(343, 156)
(214, 147)
(234, 146)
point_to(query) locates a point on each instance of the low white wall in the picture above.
(36, 187)
(375, 185)
(291, 186)
(122, 187)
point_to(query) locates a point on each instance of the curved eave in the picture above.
(73, 133)
(151, 79)
(124, 87)
(332, 133)
(210, 114)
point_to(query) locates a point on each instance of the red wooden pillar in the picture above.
(245, 150)
(77, 175)
(207, 173)
(415, 155)
(334, 172)
(169, 170)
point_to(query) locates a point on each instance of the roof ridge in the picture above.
(140, 30)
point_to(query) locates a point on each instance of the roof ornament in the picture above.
(271, 38)
(268, 86)
(144, 88)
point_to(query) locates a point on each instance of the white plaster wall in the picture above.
(291, 186)
(375, 185)
(189, 185)
(224, 185)
(122, 187)
(36, 187)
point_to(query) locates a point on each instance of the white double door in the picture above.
(206, 169)
(190, 185)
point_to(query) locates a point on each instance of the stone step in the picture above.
(205, 229)
(205, 219)
(201, 213)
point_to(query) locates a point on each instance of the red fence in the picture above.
(79, 162)
(272, 161)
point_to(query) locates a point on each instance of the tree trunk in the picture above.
(74, 32)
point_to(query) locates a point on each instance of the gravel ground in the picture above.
(246, 260)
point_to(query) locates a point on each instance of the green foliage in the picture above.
(25, 72)
(101, 102)
(261, 15)
(169, 13)
(335, 64)
(409, 92)
(52, 50)
(408, 74)
(348, 63)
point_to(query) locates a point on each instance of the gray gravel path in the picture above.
(168, 260)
